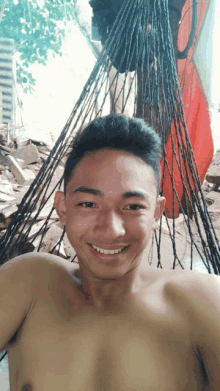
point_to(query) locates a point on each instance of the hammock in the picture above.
(139, 40)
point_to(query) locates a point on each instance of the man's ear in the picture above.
(60, 206)
(160, 205)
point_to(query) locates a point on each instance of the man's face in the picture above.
(111, 204)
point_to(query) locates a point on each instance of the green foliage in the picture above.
(37, 31)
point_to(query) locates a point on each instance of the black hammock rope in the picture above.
(105, 13)
(142, 28)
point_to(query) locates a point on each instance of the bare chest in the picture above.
(136, 350)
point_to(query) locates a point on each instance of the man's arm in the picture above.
(17, 294)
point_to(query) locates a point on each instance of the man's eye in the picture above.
(86, 204)
(135, 207)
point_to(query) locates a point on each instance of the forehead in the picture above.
(108, 167)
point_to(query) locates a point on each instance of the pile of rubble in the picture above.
(211, 188)
(19, 166)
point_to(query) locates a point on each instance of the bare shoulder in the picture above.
(204, 288)
(25, 282)
(185, 288)
(188, 280)
(39, 259)
(19, 288)
(33, 258)
(39, 268)
(47, 266)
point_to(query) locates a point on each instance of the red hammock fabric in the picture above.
(197, 119)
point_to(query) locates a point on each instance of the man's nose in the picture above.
(110, 224)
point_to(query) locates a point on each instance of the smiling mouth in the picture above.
(107, 252)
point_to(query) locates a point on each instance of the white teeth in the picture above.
(107, 251)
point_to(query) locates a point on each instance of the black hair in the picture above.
(116, 131)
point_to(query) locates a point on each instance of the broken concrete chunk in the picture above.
(20, 162)
(16, 169)
(206, 186)
(3, 160)
(29, 176)
(7, 210)
(212, 196)
(22, 142)
(28, 153)
(213, 173)
(33, 167)
(215, 206)
(6, 149)
(6, 198)
(16, 187)
(6, 187)
(8, 175)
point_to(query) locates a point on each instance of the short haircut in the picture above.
(116, 131)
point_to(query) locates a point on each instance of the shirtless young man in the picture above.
(117, 329)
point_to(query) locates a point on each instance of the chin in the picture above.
(104, 272)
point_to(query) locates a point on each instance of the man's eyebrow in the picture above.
(140, 194)
(94, 191)
(88, 190)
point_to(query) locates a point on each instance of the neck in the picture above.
(106, 294)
